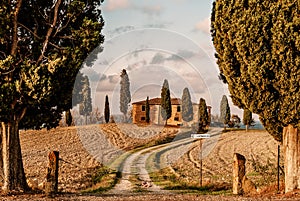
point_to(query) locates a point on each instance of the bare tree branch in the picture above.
(66, 37)
(34, 34)
(63, 27)
(50, 30)
(8, 72)
(15, 29)
(22, 113)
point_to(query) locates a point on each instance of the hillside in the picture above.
(86, 148)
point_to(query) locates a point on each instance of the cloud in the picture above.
(92, 74)
(122, 29)
(151, 10)
(107, 83)
(203, 26)
(182, 54)
(113, 5)
(136, 65)
(157, 59)
(157, 25)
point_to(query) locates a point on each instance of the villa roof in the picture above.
(157, 101)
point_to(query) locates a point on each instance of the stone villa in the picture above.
(139, 112)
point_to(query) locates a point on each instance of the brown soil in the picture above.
(258, 147)
(83, 149)
(86, 148)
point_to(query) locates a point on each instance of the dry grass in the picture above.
(259, 148)
(84, 150)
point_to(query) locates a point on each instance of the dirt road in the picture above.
(135, 164)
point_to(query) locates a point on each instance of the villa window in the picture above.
(143, 108)
(178, 109)
(143, 118)
(176, 118)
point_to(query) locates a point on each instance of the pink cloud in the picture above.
(116, 4)
(203, 26)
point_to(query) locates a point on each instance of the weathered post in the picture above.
(291, 144)
(51, 185)
(239, 171)
(200, 162)
(278, 169)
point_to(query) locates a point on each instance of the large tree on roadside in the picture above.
(85, 107)
(187, 106)
(257, 45)
(125, 96)
(224, 111)
(166, 107)
(42, 47)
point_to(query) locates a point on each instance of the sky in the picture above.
(156, 40)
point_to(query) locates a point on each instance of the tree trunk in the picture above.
(13, 171)
(125, 118)
(247, 126)
(291, 148)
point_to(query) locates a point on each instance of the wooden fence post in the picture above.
(51, 185)
(239, 171)
(201, 162)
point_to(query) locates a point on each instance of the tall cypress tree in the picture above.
(224, 111)
(68, 117)
(85, 107)
(187, 106)
(247, 118)
(147, 110)
(125, 96)
(106, 110)
(257, 50)
(166, 107)
(203, 116)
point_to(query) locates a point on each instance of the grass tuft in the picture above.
(169, 181)
(103, 180)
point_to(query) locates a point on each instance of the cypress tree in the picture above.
(125, 96)
(257, 50)
(187, 106)
(247, 118)
(106, 110)
(147, 108)
(224, 111)
(85, 107)
(68, 117)
(203, 116)
(166, 107)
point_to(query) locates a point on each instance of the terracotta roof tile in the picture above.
(156, 101)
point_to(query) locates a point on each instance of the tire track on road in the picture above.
(135, 165)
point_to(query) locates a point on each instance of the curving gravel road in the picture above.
(135, 164)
